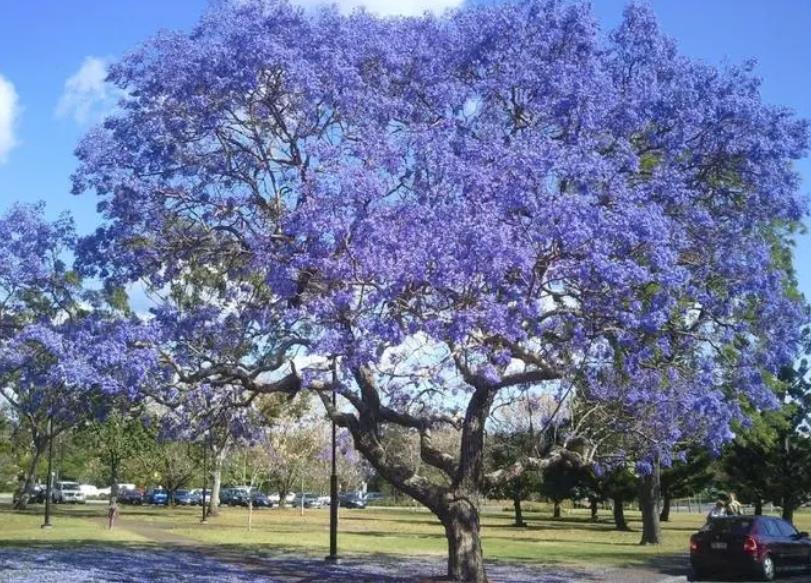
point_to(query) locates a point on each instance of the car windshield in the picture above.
(729, 525)
(70, 486)
(181, 492)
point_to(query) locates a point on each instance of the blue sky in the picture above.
(53, 53)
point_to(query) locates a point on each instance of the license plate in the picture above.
(718, 546)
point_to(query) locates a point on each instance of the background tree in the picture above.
(119, 437)
(559, 481)
(506, 449)
(771, 460)
(685, 477)
(620, 486)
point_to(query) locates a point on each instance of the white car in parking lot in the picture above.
(89, 491)
(69, 493)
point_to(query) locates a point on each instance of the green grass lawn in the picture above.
(571, 540)
(23, 528)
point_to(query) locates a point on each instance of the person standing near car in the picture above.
(717, 511)
(734, 507)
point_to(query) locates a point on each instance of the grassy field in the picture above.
(571, 540)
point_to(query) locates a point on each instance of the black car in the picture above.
(130, 496)
(260, 500)
(747, 545)
(233, 497)
(352, 500)
(37, 495)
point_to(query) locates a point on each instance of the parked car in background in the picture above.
(89, 491)
(196, 496)
(749, 545)
(157, 497)
(371, 497)
(276, 499)
(307, 499)
(69, 493)
(261, 500)
(183, 498)
(130, 496)
(104, 493)
(37, 494)
(352, 500)
(233, 497)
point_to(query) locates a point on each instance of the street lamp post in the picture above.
(333, 488)
(205, 478)
(47, 522)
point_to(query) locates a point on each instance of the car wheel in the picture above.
(767, 568)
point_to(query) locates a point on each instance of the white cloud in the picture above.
(86, 96)
(387, 7)
(9, 109)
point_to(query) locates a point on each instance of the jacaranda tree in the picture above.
(439, 209)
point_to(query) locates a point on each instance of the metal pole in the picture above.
(205, 476)
(333, 489)
(48, 494)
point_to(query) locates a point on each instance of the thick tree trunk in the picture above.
(758, 507)
(114, 480)
(22, 499)
(649, 505)
(788, 513)
(519, 515)
(593, 509)
(556, 510)
(216, 474)
(619, 515)
(664, 515)
(465, 560)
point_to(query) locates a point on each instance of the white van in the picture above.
(69, 493)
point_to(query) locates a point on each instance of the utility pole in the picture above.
(48, 486)
(206, 443)
(333, 483)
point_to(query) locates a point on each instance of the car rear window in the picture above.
(729, 525)
(769, 527)
(785, 528)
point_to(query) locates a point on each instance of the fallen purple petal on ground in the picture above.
(148, 565)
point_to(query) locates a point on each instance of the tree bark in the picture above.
(113, 479)
(619, 515)
(788, 512)
(664, 515)
(22, 500)
(758, 507)
(216, 474)
(649, 504)
(593, 509)
(465, 559)
(519, 515)
(556, 510)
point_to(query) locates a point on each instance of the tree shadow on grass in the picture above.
(149, 563)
